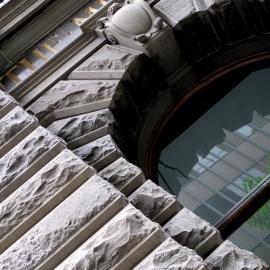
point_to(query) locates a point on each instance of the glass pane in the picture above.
(222, 156)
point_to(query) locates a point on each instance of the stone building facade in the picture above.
(84, 97)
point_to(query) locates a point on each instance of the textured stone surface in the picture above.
(174, 10)
(13, 123)
(171, 255)
(4, 99)
(96, 150)
(107, 58)
(38, 189)
(73, 127)
(151, 199)
(188, 229)
(120, 173)
(112, 242)
(24, 154)
(59, 225)
(230, 257)
(68, 94)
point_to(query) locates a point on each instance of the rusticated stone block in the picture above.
(40, 194)
(155, 202)
(74, 127)
(190, 230)
(114, 243)
(99, 153)
(123, 175)
(174, 11)
(230, 257)
(170, 255)
(108, 58)
(13, 123)
(64, 228)
(7, 103)
(15, 166)
(67, 95)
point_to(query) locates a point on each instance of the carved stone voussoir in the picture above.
(170, 256)
(230, 257)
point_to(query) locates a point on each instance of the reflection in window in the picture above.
(222, 156)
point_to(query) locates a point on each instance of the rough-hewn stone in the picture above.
(5, 99)
(59, 225)
(188, 229)
(230, 257)
(73, 127)
(152, 200)
(94, 152)
(120, 173)
(171, 256)
(39, 189)
(112, 242)
(13, 123)
(107, 58)
(68, 94)
(24, 154)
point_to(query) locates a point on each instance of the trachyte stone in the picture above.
(107, 58)
(112, 242)
(171, 256)
(13, 123)
(188, 229)
(120, 173)
(39, 189)
(151, 199)
(68, 94)
(230, 257)
(73, 127)
(95, 151)
(59, 225)
(24, 154)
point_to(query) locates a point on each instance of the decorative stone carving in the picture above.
(74, 127)
(73, 94)
(123, 175)
(131, 24)
(112, 243)
(99, 153)
(64, 222)
(171, 256)
(22, 156)
(155, 202)
(13, 123)
(39, 189)
(230, 257)
(188, 229)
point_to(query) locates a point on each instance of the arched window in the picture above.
(223, 157)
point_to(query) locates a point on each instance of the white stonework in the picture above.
(61, 224)
(74, 127)
(99, 153)
(112, 243)
(23, 157)
(40, 194)
(230, 257)
(71, 96)
(154, 202)
(123, 175)
(188, 229)
(171, 256)
(7, 103)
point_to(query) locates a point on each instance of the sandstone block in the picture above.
(123, 175)
(230, 257)
(114, 245)
(155, 202)
(170, 256)
(191, 231)
(65, 228)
